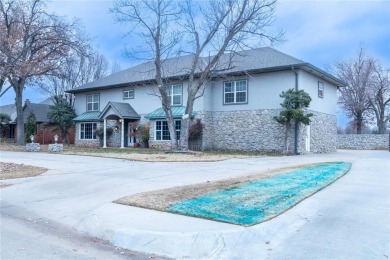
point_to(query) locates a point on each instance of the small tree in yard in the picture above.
(61, 116)
(30, 126)
(295, 101)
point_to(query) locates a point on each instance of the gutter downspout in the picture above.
(296, 123)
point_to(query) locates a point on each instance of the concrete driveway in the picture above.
(350, 219)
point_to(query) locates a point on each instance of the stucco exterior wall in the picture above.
(309, 83)
(263, 92)
(144, 101)
(363, 141)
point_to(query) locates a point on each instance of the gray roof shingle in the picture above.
(40, 111)
(254, 60)
(9, 110)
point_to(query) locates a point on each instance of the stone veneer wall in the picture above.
(363, 141)
(113, 140)
(323, 133)
(256, 130)
(250, 130)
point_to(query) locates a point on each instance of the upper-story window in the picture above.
(93, 102)
(128, 93)
(320, 89)
(235, 92)
(174, 92)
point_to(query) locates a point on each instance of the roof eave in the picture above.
(323, 74)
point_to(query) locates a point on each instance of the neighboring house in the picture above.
(10, 131)
(43, 131)
(237, 107)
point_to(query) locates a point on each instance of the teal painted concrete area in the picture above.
(257, 201)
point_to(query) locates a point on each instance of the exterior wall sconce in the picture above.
(116, 128)
(120, 120)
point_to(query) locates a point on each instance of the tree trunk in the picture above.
(359, 121)
(186, 121)
(184, 132)
(18, 87)
(381, 126)
(380, 122)
(64, 135)
(172, 131)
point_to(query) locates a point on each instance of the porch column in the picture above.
(123, 133)
(104, 133)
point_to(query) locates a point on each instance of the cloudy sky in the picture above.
(319, 32)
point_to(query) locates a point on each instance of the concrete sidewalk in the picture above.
(350, 219)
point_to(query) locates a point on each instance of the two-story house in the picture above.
(237, 106)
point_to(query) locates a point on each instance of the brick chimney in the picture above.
(27, 102)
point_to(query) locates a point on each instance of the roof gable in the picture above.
(122, 110)
(40, 110)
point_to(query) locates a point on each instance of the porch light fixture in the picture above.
(120, 120)
(116, 128)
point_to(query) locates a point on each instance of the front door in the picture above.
(130, 135)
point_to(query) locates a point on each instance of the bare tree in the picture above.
(379, 96)
(226, 26)
(218, 27)
(33, 43)
(116, 67)
(152, 22)
(78, 69)
(354, 98)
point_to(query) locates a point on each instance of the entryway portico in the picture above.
(125, 117)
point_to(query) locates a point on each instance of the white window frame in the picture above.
(128, 93)
(83, 131)
(235, 92)
(171, 94)
(162, 122)
(95, 101)
(321, 89)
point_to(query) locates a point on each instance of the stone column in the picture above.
(104, 133)
(123, 133)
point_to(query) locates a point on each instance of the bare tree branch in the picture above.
(33, 43)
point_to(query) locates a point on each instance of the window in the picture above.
(235, 92)
(88, 131)
(320, 89)
(162, 130)
(128, 93)
(93, 102)
(174, 92)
